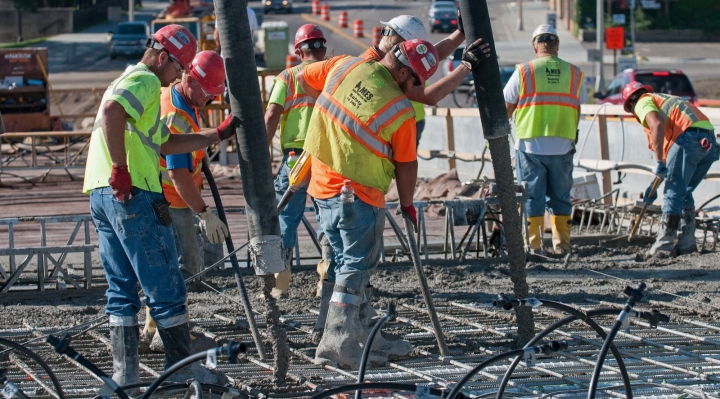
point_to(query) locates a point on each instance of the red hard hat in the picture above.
(420, 55)
(209, 70)
(630, 89)
(178, 41)
(308, 32)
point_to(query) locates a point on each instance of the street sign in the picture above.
(552, 19)
(624, 63)
(650, 4)
(594, 55)
(619, 19)
(615, 38)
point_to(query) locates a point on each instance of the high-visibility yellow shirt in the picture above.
(297, 107)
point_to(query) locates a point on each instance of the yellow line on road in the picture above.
(363, 46)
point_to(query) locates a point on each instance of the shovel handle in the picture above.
(636, 226)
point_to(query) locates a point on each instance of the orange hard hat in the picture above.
(420, 55)
(630, 89)
(307, 33)
(178, 41)
(209, 70)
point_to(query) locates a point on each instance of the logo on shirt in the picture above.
(359, 95)
(553, 75)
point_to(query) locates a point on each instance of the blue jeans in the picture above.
(291, 216)
(549, 181)
(354, 231)
(136, 247)
(687, 164)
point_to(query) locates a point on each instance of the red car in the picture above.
(669, 81)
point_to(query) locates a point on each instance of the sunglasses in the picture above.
(417, 78)
(178, 67)
(387, 31)
(204, 92)
(403, 60)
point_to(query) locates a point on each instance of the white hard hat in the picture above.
(545, 29)
(407, 26)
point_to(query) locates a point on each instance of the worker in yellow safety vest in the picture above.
(290, 107)
(129, 211)
(684, 144)
(361, 136)
(545, 94)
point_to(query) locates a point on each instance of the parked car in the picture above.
(278, 6)
(443, 20)
(668, 81)
(441, 4)
(129, 39)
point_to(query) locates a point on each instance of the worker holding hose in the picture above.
(361, 136)
(683, 142)
(131, 215)
(545, 94)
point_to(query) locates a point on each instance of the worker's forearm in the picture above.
(272, 119)
(658, 143)
(182, 143)
(406, 176)
(446, 46)
(113, 124)
(185, 186)
(432, 94)
(510, 108)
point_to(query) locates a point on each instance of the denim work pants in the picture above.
(354, 231)
(291, 216)
(687, 164)
(549, 181)
(185, 232)
(136, 247)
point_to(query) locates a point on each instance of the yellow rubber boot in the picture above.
(561, 225)
(282, 283)
(322, 271)
(536, 228)
(150, 326)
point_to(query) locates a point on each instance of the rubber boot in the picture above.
(282, 279)
(561, 225)
(126, 359)
(317, 331)
(666, 236)
(393, 349)
(324, 264)
(686, 240)
(342, 341)
(178, 346)
(536, 229)
(156, 343)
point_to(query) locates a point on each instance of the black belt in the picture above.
(298, 151)
(700, 130)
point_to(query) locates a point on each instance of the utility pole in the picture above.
(600, 28)
(520, 16)
(631, 4)
(131, 10)
(496, 129)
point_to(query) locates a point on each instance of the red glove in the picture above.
(121, 183)
(227, 128)
(409, 213)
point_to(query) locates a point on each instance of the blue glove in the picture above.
(647, 198)
(661, 170)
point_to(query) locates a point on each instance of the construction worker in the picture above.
(290, 107)
(361, 136)
(545, 95)
(129, 211)
(683, 142)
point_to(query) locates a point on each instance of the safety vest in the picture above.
(143, 136)
(298, 109)
(677, 116)
(354, 119)
(179, 122)
(549, 98)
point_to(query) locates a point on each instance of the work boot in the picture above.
(324, 264)
(317, 331)
(199, 342)
(686, 240)
(178, 346)
(126, 360)
(342, 340)
(282, 279)
(666, 236)
(393, 349)
(536, 229)
(561, 225)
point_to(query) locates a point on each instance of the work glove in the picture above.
(121, 183)
(648, 198)
(409, 214)
(475, 54)
(661, 170)
(461, 26)
(215, 230)
(227, 128)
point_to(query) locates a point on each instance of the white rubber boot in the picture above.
(176, 341)
(666, 236)
(393, 349)
(317, 331)
(126, 360)
(687, 243)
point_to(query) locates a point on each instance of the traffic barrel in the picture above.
(316, 7)
(325, 12)
(343, 19)
(358, 28)
(377, 35)
(291, 60)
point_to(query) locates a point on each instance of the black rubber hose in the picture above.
(34, 356)
(396, 386)
(635, 294)
(584, 316)
(368, 345)
(173, 369)
(180, 385)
